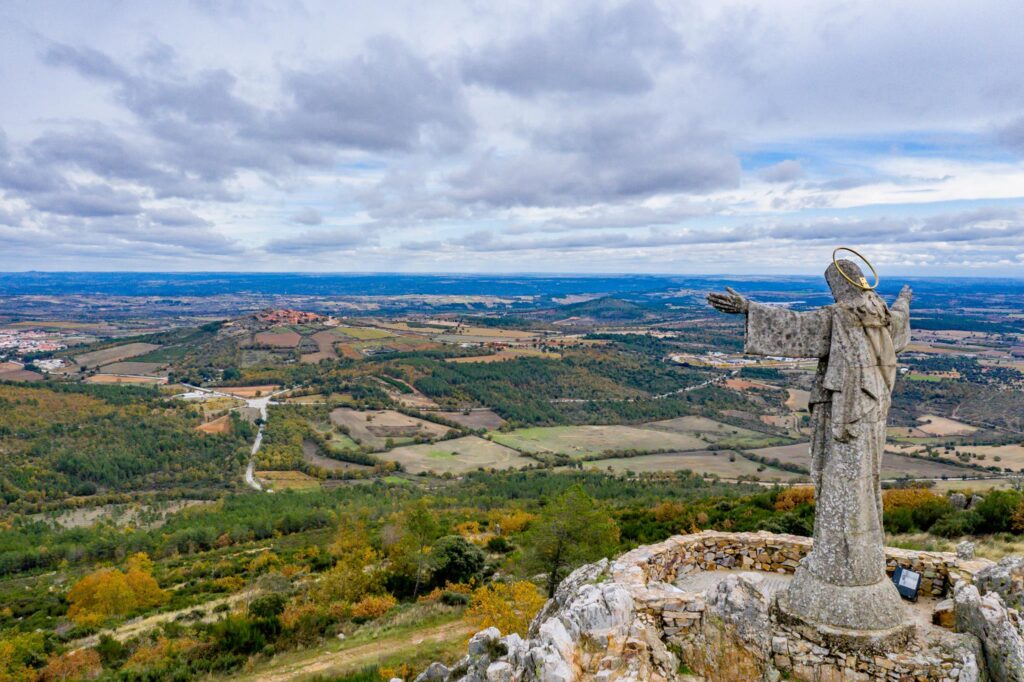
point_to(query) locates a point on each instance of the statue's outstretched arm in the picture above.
(900, 310)
(902, 301)
(730, 302)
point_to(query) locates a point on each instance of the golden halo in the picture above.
(863, 283)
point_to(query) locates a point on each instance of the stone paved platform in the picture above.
(770, 584)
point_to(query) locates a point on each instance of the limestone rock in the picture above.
(736, 640)
(958, 500)
(435, 672)
(998, 628)
(1006, 579)
(480, 643)
(965, 550)
(499, 671)
(636, 620)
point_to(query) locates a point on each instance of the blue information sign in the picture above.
(907, 582)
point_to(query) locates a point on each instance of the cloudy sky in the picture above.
(638, 136)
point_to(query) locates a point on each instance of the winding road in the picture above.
(260, 404)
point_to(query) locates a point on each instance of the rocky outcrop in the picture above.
(1005, 579)
(671, 611)
(997, 627)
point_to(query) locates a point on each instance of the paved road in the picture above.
(260, 404)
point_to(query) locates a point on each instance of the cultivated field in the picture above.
(375, 427)
(284, 338)
(120, 379)
(1011, 456)
(312, 455)
(588, 441)
(249, 391)
(362, 333)
(20, 375)
(458, 456)
(798, 400)
(714, 432)
(475, 419)
(722, 463)
(325, 341)
(798, 454)
(287, 480)
(218, 425)
(115, 354)
(152, 368)
(942, 426)
(893, 465)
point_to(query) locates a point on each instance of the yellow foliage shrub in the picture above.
(467, 528)
(908, 498)
(229, 583)
(507, 606)
(668, 511)
(153, 655)
(402, 671)
(264, 561)
(296, 612)
(435, 594)
(373, 606)
(82, 664)
(291, 570)
(514, 522)
(791, 498)
(109, 592)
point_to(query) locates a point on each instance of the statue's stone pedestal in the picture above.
(863, 618)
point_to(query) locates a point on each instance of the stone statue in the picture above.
(842, 583)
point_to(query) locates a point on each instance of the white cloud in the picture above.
(644, 134)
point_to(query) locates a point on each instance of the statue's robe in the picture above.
(855, 343)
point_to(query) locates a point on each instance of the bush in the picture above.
(507, 606)
(900, 520)
(956, 524)
(499, 545)
(455, 560)
(267, 607)
(237, 635)
(995, 511)
(791, 498)
(449, 598)
(373, 606)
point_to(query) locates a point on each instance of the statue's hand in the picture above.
(907, 293)
(731, 302)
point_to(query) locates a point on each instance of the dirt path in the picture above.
(358, 656)
(137, 626)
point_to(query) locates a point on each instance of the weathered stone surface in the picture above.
(480, 643)
(943, 615)
(965, 550)
(842, 582)
(998, 629)
(435, 672)
(958, 500)
(626, 621)
(1006, 579)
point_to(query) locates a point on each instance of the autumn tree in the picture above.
(108, 592)
(419, 530)
(507, 606)
(571, 530)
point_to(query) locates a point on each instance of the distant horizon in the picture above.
(538, 273)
